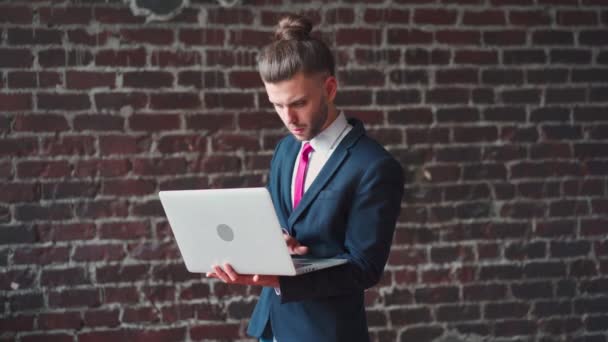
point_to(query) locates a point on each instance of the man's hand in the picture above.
(293, 245)
(229, 276)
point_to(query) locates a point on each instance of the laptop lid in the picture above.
(237, 226)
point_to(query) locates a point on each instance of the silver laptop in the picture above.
(236, 226)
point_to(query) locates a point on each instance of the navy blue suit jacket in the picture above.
(349, 211)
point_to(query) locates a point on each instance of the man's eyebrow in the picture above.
(301, 99)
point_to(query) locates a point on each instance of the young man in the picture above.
(335, 190)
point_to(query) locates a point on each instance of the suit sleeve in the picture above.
(369, 233)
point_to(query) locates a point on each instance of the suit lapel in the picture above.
(329, 169)
(286, 173)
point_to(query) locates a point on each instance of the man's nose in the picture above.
(292, 116)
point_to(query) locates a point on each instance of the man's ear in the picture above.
(331, 88)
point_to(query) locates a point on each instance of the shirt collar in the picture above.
(325, 141)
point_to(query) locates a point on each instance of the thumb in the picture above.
(300, 250)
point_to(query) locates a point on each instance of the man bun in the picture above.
(293, 27)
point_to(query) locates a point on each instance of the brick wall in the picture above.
(498, 109)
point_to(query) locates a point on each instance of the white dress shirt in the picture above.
(324, 144)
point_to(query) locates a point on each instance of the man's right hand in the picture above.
(293, 245)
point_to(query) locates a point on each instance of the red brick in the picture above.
(108, 101)
(105, 252)
(121, 295)
(65, 232)
(60, 320)
(101, 318)
(83, 37)
(18, 192)
(43, 169)
(65, 15)
(203, 332)
(127, 57)
(74, 298)
(147, 79)
(230, 58)
(459, 37)
(88, 80)
(121, 144)
(159, 166)
(41, 255)
(204, 37)
(16, 323)
(384, 15)
(67, 102)
(61, 58)
(186, 100)
(165, 334)
(576, 18)
(23, 36)
(22, 79)
(148, 35)
(260, 120)
(60, 277)
(229, 16)
(104, 168)
(15, 102)
(101, 209)
(485, 18)
(16, 58)
(232, 142)
(121, 273)
(50, 79)
(117, 15)
(348, 36)
(407, 36)
(128, 187)
(476, 57)
(32, 212)
(154, 122)
(10, 14)
(69, 145)
(213, 164)
(424, 57)
(178, 58)
(211, 122)
(41, 123)
(182, 143)
(229, 100)
(435, 16)
(141, 314)
(98, 122)
(125, 230)
(340, 16)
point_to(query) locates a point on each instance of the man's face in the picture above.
(302, 103)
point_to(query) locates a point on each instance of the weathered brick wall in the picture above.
(498, 109)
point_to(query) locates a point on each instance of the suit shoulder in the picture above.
(370, 149)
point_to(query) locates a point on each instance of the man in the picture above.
(336, 191)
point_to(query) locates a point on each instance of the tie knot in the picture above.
(307, 148)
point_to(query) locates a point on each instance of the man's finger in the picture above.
(230, 272)
(300, 250)
(221, 274)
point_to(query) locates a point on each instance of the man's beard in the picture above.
(321, 118)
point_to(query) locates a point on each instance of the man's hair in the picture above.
(294, 50)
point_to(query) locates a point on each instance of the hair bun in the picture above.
(293, 27)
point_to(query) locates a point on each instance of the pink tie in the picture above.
(301, 174)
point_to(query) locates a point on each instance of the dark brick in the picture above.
(422, 333)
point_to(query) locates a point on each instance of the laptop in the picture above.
(236, 226)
